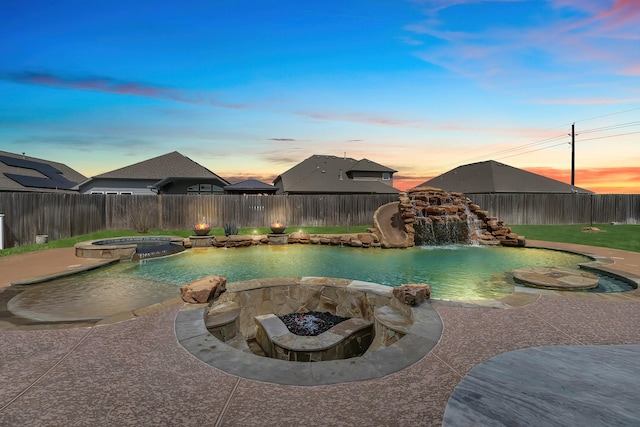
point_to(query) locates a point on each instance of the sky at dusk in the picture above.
(248, 89)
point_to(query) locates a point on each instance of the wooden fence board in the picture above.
(66, 215)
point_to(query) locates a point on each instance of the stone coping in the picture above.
(425, 332)
(118, 247)
(279, 334)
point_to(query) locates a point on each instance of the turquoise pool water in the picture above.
(454, 272)
(457, 272)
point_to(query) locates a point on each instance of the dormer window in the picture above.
(386, 176)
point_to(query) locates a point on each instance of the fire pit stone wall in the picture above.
(341, 297)
(403, 334)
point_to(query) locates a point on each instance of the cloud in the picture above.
(621, 13)
(87, 143)
(282, 139)
(113, 86)
(633, 70)
(447, 126)
(436, 6)
(410, 41)
(363, 119)
(588, 39)
(285, 156)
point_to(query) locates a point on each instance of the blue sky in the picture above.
(251, 88)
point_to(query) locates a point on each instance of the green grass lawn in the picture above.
(626, 237)
(69, 242)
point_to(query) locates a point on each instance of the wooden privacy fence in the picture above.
(67, 215)
(180, 211)
(57, 215)
(556, 209)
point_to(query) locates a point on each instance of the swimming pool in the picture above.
(454, 272)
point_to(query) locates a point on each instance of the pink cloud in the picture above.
(114, 86)
(623, 11)
(632, 71)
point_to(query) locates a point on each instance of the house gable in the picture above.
(336, 175)
(171, 173)
(494, 177)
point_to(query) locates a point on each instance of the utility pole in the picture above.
(573, 154)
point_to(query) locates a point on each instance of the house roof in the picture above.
(172, 164)
(328, 174)
(495, 177)
(366, 165)
(23, 173)
(250, 184)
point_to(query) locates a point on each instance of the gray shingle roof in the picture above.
(366, 165)
(495, 177)
(328, 174)
(172, 164)
(27, 177)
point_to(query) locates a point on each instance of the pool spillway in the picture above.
(132, 248)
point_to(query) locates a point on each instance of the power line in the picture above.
(609, 136)
(522, 147)
(531, 151)
(607, 115)
(555, 138)
(618, 126)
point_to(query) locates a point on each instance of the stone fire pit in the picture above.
(225, 333)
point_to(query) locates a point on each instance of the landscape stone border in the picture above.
(423, 335)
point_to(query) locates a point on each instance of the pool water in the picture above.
(459, 272)
(454, 272)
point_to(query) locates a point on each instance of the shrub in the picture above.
(230, 229)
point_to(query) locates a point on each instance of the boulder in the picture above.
(412, 293)
(203, 290)
(366, 239)
(345, 240)
(220, 241)
(355, 243)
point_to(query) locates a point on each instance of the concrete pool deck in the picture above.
(135, 372)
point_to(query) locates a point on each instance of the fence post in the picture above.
(159, 198)
(1, 231)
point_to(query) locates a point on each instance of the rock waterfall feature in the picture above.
(432, 216)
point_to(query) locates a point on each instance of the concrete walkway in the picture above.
(134, 372)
